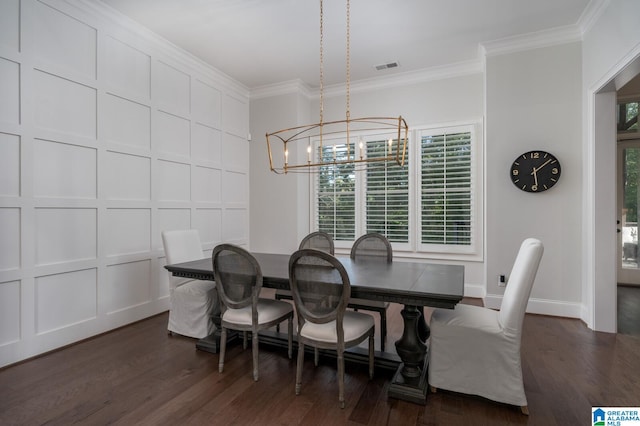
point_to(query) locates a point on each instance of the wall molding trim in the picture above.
(554, 37)
(541, 306)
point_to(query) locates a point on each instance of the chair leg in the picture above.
(316, 356)
(244, 340)
(341, 378)
(299, 367)
(525, 410)
(371, 352)
(254, 350)
(290, 353)
(223, 348)
(383, 329)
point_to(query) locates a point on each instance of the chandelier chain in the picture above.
(321, 63)
(312, 134)
(348, 59)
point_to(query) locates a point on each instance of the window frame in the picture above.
(452, 251)
(414, 248)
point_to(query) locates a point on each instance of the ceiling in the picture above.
(265, 42)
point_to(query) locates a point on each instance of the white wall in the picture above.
(274, 225)
(277, 220)
(108, 135)
(534, 102)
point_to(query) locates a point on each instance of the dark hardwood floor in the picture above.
(140, 375)
(629, 309)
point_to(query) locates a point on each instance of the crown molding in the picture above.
(591, 14)
(286, 87)
(547, 38)
(406, 78)
(401, 79)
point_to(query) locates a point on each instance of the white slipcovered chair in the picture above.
(476, 350)
(191, 302)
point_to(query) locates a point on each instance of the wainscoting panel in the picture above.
(232, 184)
(127, 69)
(209, 224)
(9, 91)
(128, 177)
(205, 105)
(232, 112)
(109, 135)
(64, 106)
(10, 246)
(65, 41)
(63, 170)
(174, 181)
(55, 309)
(65, 235)
(235, 229)
(172, 134)
(205, 145)
(10, 24)
(206, 185)
(9, 165)
(168, 218)
(129, 231)
(235, 153)
(9, 312)
(128, 285)
(127, 122)
(173, 95)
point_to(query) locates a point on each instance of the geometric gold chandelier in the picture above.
(303, 149)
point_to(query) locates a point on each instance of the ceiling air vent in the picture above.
(393, 64)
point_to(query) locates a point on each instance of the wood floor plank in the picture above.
(140, 375)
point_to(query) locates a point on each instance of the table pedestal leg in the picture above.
(410, 380)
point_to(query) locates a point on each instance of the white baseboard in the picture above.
(475, 290)
(541, 306)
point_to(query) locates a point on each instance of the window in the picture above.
(628, 117)
(387, 195)
(430, 205)
(446, 190)
(336, 195)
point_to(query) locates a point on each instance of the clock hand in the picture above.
(535, 175)
(543, 164)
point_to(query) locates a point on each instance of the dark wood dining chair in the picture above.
(373, 246)
(316, 240)
(238, 279)
(321, 290)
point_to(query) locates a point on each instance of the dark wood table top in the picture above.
(408, 283)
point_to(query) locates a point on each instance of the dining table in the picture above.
(412, 283)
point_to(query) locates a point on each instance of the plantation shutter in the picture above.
(387, 195)
(336, 196)
(446, 189)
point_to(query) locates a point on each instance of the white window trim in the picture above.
(414, 249)
(454, 252)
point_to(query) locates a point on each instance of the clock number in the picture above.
(554, 170)
(534, 187)
(516, 172)
(535, 155)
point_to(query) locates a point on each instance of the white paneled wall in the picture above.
(108, 135)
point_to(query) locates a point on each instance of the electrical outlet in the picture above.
(502, 280)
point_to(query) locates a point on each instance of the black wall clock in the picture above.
(535, 171)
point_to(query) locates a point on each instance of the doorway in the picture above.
(628, 208)
(628, 203)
